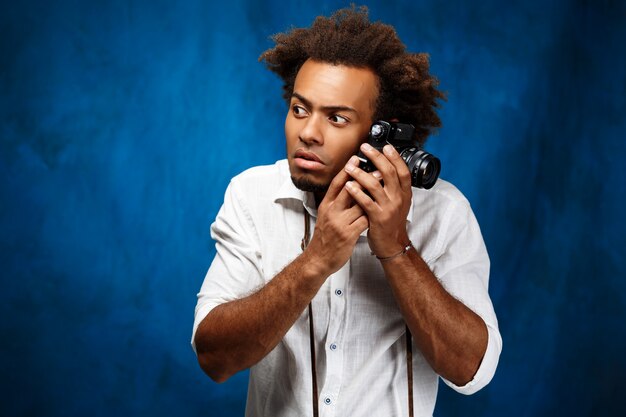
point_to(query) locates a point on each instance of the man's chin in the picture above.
(305, 184)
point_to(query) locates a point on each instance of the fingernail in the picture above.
(349, 167)
(366, 147)
(388, 150)
(349, 185)
(377, 175)
(354, 160)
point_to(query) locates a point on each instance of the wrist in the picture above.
(396, 254)
(313, 266)
(393, 244)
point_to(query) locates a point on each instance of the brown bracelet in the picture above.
(402, 252)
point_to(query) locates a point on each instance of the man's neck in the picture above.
(318, 198)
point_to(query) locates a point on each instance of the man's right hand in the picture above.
(339, 223)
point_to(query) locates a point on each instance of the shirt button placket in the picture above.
(334, 353)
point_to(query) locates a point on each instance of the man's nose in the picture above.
(311, 132)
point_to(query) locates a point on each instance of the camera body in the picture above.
(424, 167)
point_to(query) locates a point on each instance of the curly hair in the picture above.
(407, 91)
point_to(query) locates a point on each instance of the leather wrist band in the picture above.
(402, 252)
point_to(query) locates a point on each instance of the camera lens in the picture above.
(424, 168)
(429, 170)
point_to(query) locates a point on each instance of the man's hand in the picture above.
(387, 205)
(339, 224)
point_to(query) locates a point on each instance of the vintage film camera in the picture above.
(423, 166)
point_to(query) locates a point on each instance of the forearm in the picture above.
(238, 334)
(452, 338)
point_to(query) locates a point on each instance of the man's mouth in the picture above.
(309, 156)
(307, 160)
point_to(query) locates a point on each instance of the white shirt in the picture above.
(359, 331)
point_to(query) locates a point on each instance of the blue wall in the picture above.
(122, 122)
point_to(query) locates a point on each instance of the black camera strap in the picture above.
(409, 369)
(409, 347)
(305, 242)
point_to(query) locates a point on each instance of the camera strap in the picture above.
(409, 347)
(305, 242)
(409, 369)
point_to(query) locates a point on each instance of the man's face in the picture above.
(329, 116)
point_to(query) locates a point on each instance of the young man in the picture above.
(383, 258)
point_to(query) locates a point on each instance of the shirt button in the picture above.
(327, 401)
(338, 292)
(333, 346)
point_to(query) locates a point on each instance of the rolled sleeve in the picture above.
(236, 269)
(463, 270)
(487, 367)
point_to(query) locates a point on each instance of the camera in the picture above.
(424, 167)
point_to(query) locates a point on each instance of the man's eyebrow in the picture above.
(326, 108)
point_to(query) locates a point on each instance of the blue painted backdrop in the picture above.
(121, 123)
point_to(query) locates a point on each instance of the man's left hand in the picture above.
(387, 205)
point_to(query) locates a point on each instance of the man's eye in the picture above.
(337, 119)
(298, 110)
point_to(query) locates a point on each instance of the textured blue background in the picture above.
(121, 123)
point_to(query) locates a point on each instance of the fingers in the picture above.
(391, 165)
(402, 170)
(350, 211)
(361, 224)
(342, 197)
(336, 185)
(368, 182)
(353, 213)
(362, 199)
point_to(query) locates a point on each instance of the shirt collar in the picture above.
(288, 191)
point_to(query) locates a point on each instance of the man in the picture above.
(384, 257)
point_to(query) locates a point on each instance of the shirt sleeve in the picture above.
(236, 270)
(463, 270)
